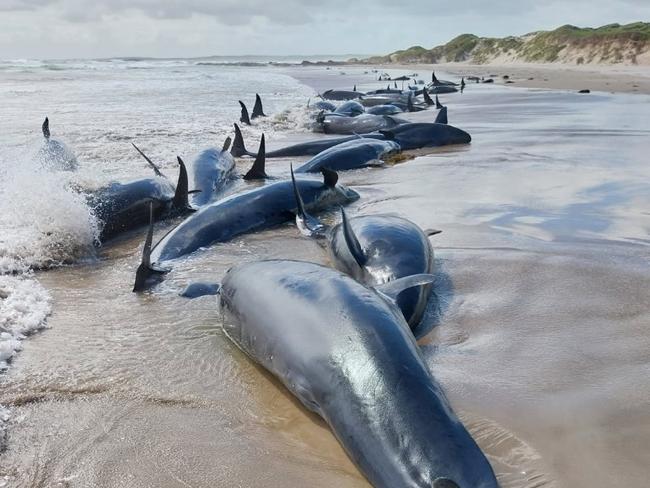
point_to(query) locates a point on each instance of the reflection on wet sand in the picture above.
(539, 335)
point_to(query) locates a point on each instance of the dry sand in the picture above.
(607, 78)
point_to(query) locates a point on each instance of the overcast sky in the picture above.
(170, 28)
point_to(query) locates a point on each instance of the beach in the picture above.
(538, 331)
(556, 76)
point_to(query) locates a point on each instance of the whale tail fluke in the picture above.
(438, 104)
(352, 241)
(244, 119)
(146, 273)
(155, 168)
(441, 118)
(427, 98)
(308, 225)
(258, 110)
(181, 202)
(46, 128)
(257, 171)
(238, 148)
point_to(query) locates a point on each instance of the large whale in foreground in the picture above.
(250, 211)
(54, 154)
(376, 249)
(347, 354)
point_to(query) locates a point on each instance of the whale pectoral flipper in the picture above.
(257, 171)
(145, 271)
(244, 119)
(46, 128)
(427, 98)
(307, 224)
(196, 290)
(432, 232)
(155, 168)
(352, 241)
(393, 288)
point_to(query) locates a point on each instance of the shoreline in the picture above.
(603, 78)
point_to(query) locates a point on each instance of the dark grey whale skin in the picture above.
(212, 169)
(395, 247)
(125, 206)
(354, 154)
(347, 354)
(249, 211)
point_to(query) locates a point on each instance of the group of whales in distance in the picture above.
(309, 325)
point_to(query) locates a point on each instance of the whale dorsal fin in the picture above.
(196, 290)
(155, 168)
(257, 170)
(441, 118)
(145, 270)
(226, 144)
(395, 287)
(352, 242)
(427, 98)
(46, 128)
(409, 103)
(438, 104)
(244, 119)
(180, 201)
(258, 110)
(355, 88)
(238, 147)
(307, 224)
(330, 177)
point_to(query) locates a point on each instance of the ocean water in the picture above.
(539, 333)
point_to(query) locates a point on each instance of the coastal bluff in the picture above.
(610, 44)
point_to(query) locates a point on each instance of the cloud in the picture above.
(104, 28)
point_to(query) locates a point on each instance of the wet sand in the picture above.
(604, 78)
(538, 324)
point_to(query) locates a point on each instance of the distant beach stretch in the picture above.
(271, 271)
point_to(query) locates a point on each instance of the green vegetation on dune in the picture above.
(612, 43)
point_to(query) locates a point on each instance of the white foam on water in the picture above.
(43, 221)
(24, 307)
